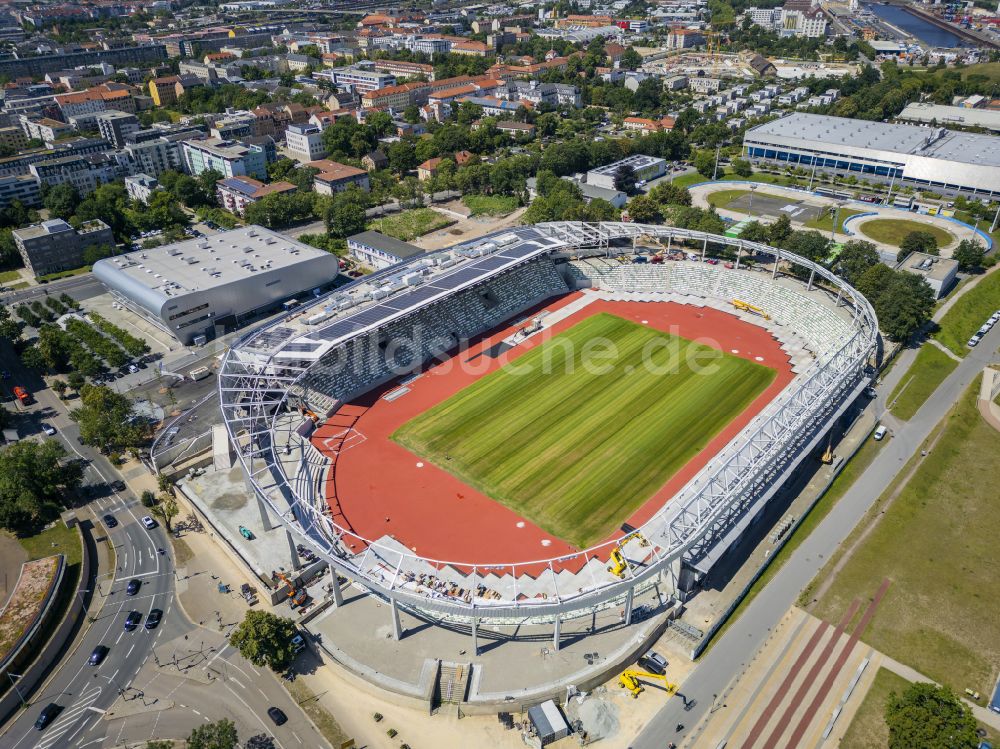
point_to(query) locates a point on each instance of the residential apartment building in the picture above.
(13, 138)
(45, 129)
(85, 173)
(334, 177)
(356, 79)
(236, 193)
(226, 157)
(305, 142)
(401, 69)
(397, 97)
(22, 188)
(164, 90)
(116, 126)
(140, 187)
(54, 245)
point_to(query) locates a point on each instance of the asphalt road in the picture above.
(86, 692)
(727, 657)
(79, 287)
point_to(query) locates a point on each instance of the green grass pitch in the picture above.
(577, 449)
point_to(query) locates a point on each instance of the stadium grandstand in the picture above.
(283, 386)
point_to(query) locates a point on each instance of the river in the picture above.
(926, 32)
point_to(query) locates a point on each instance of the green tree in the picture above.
(107, 420)
(219, 735)
(402, 157)
(61, 201)
(159, 744)
(969, 254)
(76, 380)
(166, 510)
(412, 114)
(917, 241)
(903, 303)
(625, 179)
(644, 210)
(34, 480)
(780, 230)
(926, 716)
(704, 162)
(60, 386)
(96, 252)
(755, 231)
(265, 639)
(667, 193)
(630, 59)
(856, 257)
(742, 168)
(808, 244)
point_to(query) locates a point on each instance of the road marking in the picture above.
(254, 714)
(297, 737)
(125, 562)
(96, 709)
(233, 678)
(115, 674)
(130, 650)
(196, 712)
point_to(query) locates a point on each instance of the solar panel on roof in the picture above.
(519, 251)
(411, 298)
(456, 279)
(492, 263)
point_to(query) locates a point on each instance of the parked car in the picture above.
(148, 522)
(118, 486)
(98, 655)
(110, 521)
(153, 618)
(48, 714)
(276, 715)
(48, 429)
(974, 341)
(880, 433)
(133, 587)
(654, 662)
(132, 620)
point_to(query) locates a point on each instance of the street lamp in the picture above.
(836, 211)
(83, 606)
(993, 226)
(750, 208)
(11, 675)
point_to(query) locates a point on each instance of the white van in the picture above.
(200, 373)
(880, 433)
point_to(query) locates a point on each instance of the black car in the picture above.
(48, 714)
(153, 619)
(133, 587)
(277, 716)
(110, 521)
(118, 486)
(132, 621)
(98, 655)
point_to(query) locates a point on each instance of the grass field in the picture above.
(490, 205)
(894, 230)
(6, 276)
(722, 198)
(825, 222)
(969, 313)
(936, 542)
(868, 729)
(410, 224)
(575, 442)
(929, 369)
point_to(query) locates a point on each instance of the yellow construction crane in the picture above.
(747, 307)
(630, 680)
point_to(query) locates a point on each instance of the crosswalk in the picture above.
(70, 717)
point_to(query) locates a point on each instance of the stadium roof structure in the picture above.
(265, 368)
(936, 143)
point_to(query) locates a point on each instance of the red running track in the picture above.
(378, 488)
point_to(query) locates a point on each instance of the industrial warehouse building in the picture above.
(200, 288)
(933, 157)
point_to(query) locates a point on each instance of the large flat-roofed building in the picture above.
(932, 157)
(228, 158)
(203, 287)
(644, 167)
(54, 245)
(925, 112)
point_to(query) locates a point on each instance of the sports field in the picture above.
(575, 435)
